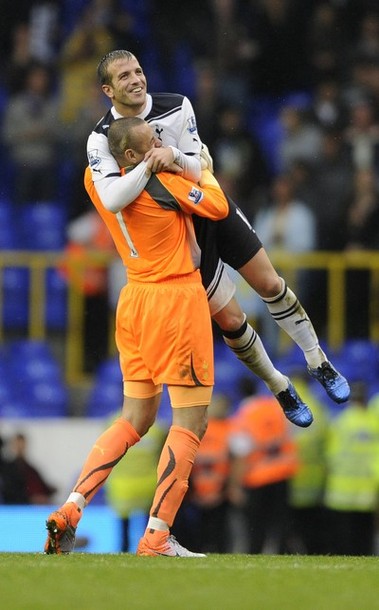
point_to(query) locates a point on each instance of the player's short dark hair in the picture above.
(121, 135)
(102, 69)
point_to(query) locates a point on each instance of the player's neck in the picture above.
(130, 111)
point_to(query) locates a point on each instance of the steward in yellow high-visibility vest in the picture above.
(352, 484)
(306, 487)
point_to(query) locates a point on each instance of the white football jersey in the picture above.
(173, 120)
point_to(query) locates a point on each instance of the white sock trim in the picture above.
(157, 524)
(77, 498)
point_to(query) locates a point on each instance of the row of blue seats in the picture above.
(38, 226)
(16, 302)
(33, 226)
(32, 382)
(358, 360)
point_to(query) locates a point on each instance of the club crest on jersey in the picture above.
(158, 132)
(191, 123)
(195, 195)
(93, 159)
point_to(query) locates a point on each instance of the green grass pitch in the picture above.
(219, 582)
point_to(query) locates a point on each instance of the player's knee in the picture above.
(141, 422)
(271, 285)
(203, 425)
(193, 418)
(231, 317)
(198, 425)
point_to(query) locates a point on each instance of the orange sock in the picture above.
(174, 468)
(108, 450)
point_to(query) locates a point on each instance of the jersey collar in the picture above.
(148, 107)
(144, 113)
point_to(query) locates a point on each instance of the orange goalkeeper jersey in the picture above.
(150, 236)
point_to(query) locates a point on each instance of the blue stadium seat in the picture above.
(6, 390)
(109, 371)
(183, 78)
(149, 57)
(8, 237)
(359, 360)
(291, 361)
(35, 370)
(142, 23)
(165, 411)
(105, 398)
(70, 12)
(28, 349)
(15, 297)
(13, 408)
(229, 372)
(56, 301)
(47, 398)
(43, 226)
(35, 383)
(8, 231)
(35, 358)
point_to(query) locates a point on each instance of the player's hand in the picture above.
(175, 168)
(205, 158)
(159, 159)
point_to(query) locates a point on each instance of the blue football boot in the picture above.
(295, 410)
(336, 386)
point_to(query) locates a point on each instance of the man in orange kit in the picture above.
(163, 334)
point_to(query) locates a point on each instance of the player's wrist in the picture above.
(177, 155)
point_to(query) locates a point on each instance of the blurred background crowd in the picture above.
(286, 94)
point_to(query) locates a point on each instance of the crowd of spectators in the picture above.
(278, 87)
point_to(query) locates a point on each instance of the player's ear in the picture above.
(108, 91)
(130, 157)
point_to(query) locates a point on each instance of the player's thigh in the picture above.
(177, 345)
(237, 241)
(261, 275)
(220, 291)
(130, 311)
(165, 332)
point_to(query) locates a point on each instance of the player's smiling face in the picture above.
(128, 87)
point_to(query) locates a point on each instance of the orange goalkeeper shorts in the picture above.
(164, 332)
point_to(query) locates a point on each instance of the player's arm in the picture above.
(207, 200)
(169, 158)
(114, 190)
(187, 152)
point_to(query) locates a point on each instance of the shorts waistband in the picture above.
(188, 278)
